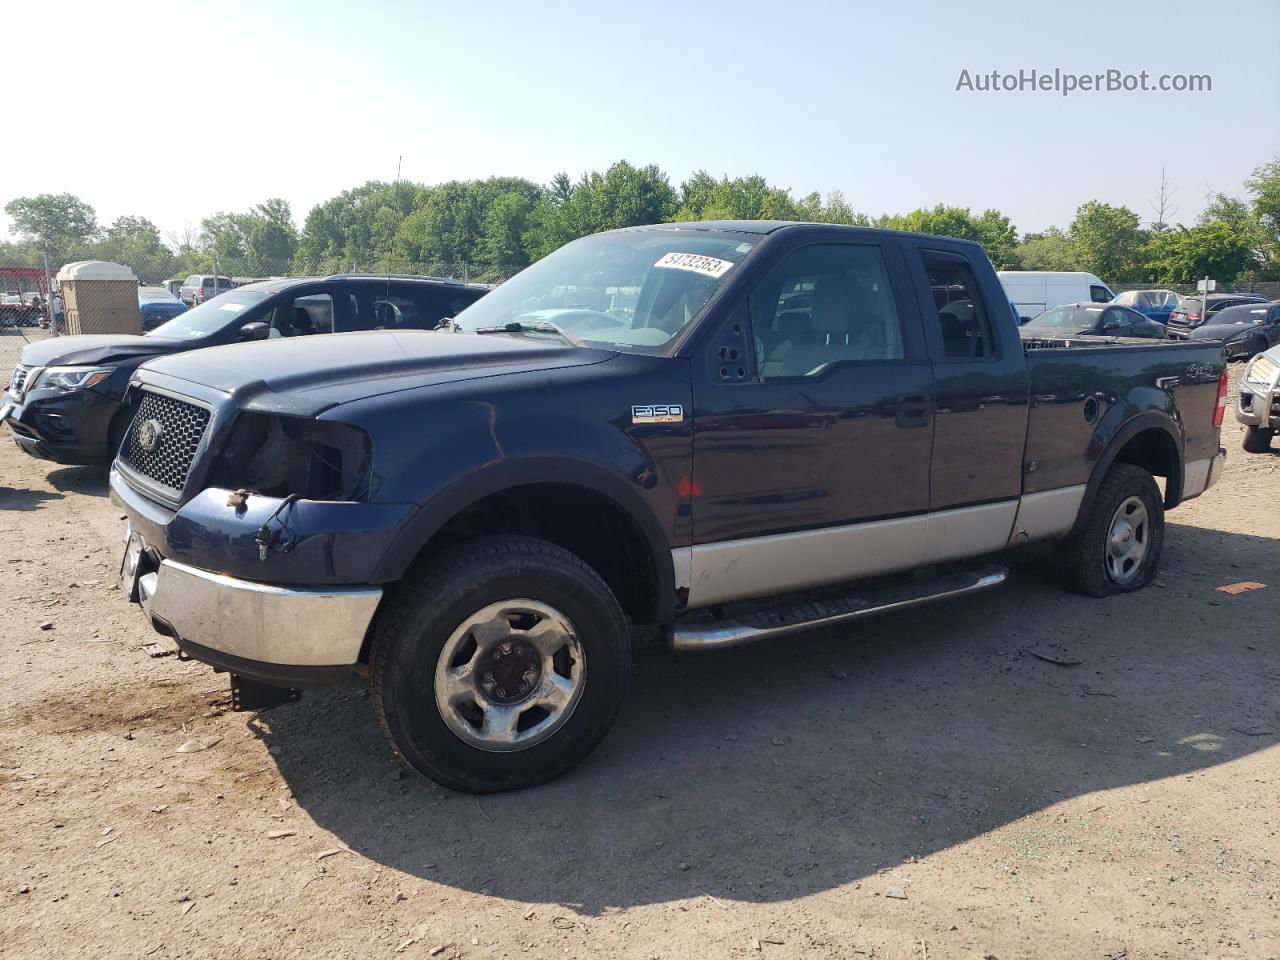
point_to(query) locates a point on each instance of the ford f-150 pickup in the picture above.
(719, 432)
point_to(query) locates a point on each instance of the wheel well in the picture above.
(1155, 451)
(584, 522)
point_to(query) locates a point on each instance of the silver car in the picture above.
(1258, 406)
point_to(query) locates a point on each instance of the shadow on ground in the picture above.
(90, 480)
(17, 498)
(779, 770)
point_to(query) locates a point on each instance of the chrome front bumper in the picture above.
(1263, 401)
(258, 622)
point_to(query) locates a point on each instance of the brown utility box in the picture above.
(99, 297)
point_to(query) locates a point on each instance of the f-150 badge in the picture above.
(657, 413)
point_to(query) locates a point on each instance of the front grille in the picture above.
(17, 380)
(181, 428)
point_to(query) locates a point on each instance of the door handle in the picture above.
(912, 410)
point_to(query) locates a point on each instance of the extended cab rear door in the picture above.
(979, 398)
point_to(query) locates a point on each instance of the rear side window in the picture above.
(1099, 294)
(962, 320)
(407, 306)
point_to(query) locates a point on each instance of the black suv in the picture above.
(1191, 313)
(65, 400)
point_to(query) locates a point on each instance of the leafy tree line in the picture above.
(500, 224)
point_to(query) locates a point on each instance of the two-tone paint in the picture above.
(761, 487)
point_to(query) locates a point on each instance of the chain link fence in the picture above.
(1263, 288)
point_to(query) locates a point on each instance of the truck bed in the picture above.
(1123, 377)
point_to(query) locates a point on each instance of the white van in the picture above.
(1032, 292)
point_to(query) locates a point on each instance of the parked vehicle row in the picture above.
(777, 426)
(1250, 328)
(66, 399)
(1032, 292)
(1194, 312)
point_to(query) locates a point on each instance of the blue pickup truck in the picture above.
(721, 432)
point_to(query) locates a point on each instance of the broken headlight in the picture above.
(277, 456)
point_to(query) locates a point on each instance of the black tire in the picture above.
(1082, 557)
(1257, 439)
(418, 620)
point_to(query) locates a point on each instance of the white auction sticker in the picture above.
(233, 307)
(696, 263)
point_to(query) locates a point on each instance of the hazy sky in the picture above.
(177, 109)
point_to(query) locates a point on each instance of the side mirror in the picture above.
(1111, 325)
(256, 330)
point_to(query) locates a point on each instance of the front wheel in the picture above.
(1119, 548)
(501, 666)
(1257, 439)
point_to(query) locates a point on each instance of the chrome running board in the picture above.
(780, 620)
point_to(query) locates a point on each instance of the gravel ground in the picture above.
(923, 786)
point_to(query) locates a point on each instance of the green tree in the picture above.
(835, 210)
(271, 239)
(1107, 240)
(993, 230)
(622, 196)
(135, 241)
(225, 236)
(503, 228)
(470, 221)
(1050, 250)
(627, 196)
(61, 224)
(1264, 188)
(1215, 250)
(359, 225)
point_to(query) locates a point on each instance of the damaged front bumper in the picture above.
(291, 634)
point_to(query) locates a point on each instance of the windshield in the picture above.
(210, 317)
(1076, 319)
(1242, 315)
(633, 291)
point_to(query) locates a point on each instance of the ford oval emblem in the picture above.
(149, 434)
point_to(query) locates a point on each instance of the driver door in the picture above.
(812, 463)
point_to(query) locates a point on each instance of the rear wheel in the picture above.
(1257, 439)
(500, 667)
(1119, 548)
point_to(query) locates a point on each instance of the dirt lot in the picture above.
(921, 787)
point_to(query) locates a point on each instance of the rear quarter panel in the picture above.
(1176, 381)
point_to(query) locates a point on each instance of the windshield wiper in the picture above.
(541, 326)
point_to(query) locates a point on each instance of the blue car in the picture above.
(156, 305)
(1153, 304)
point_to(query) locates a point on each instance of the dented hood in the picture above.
(91, 349)
(311, 374)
